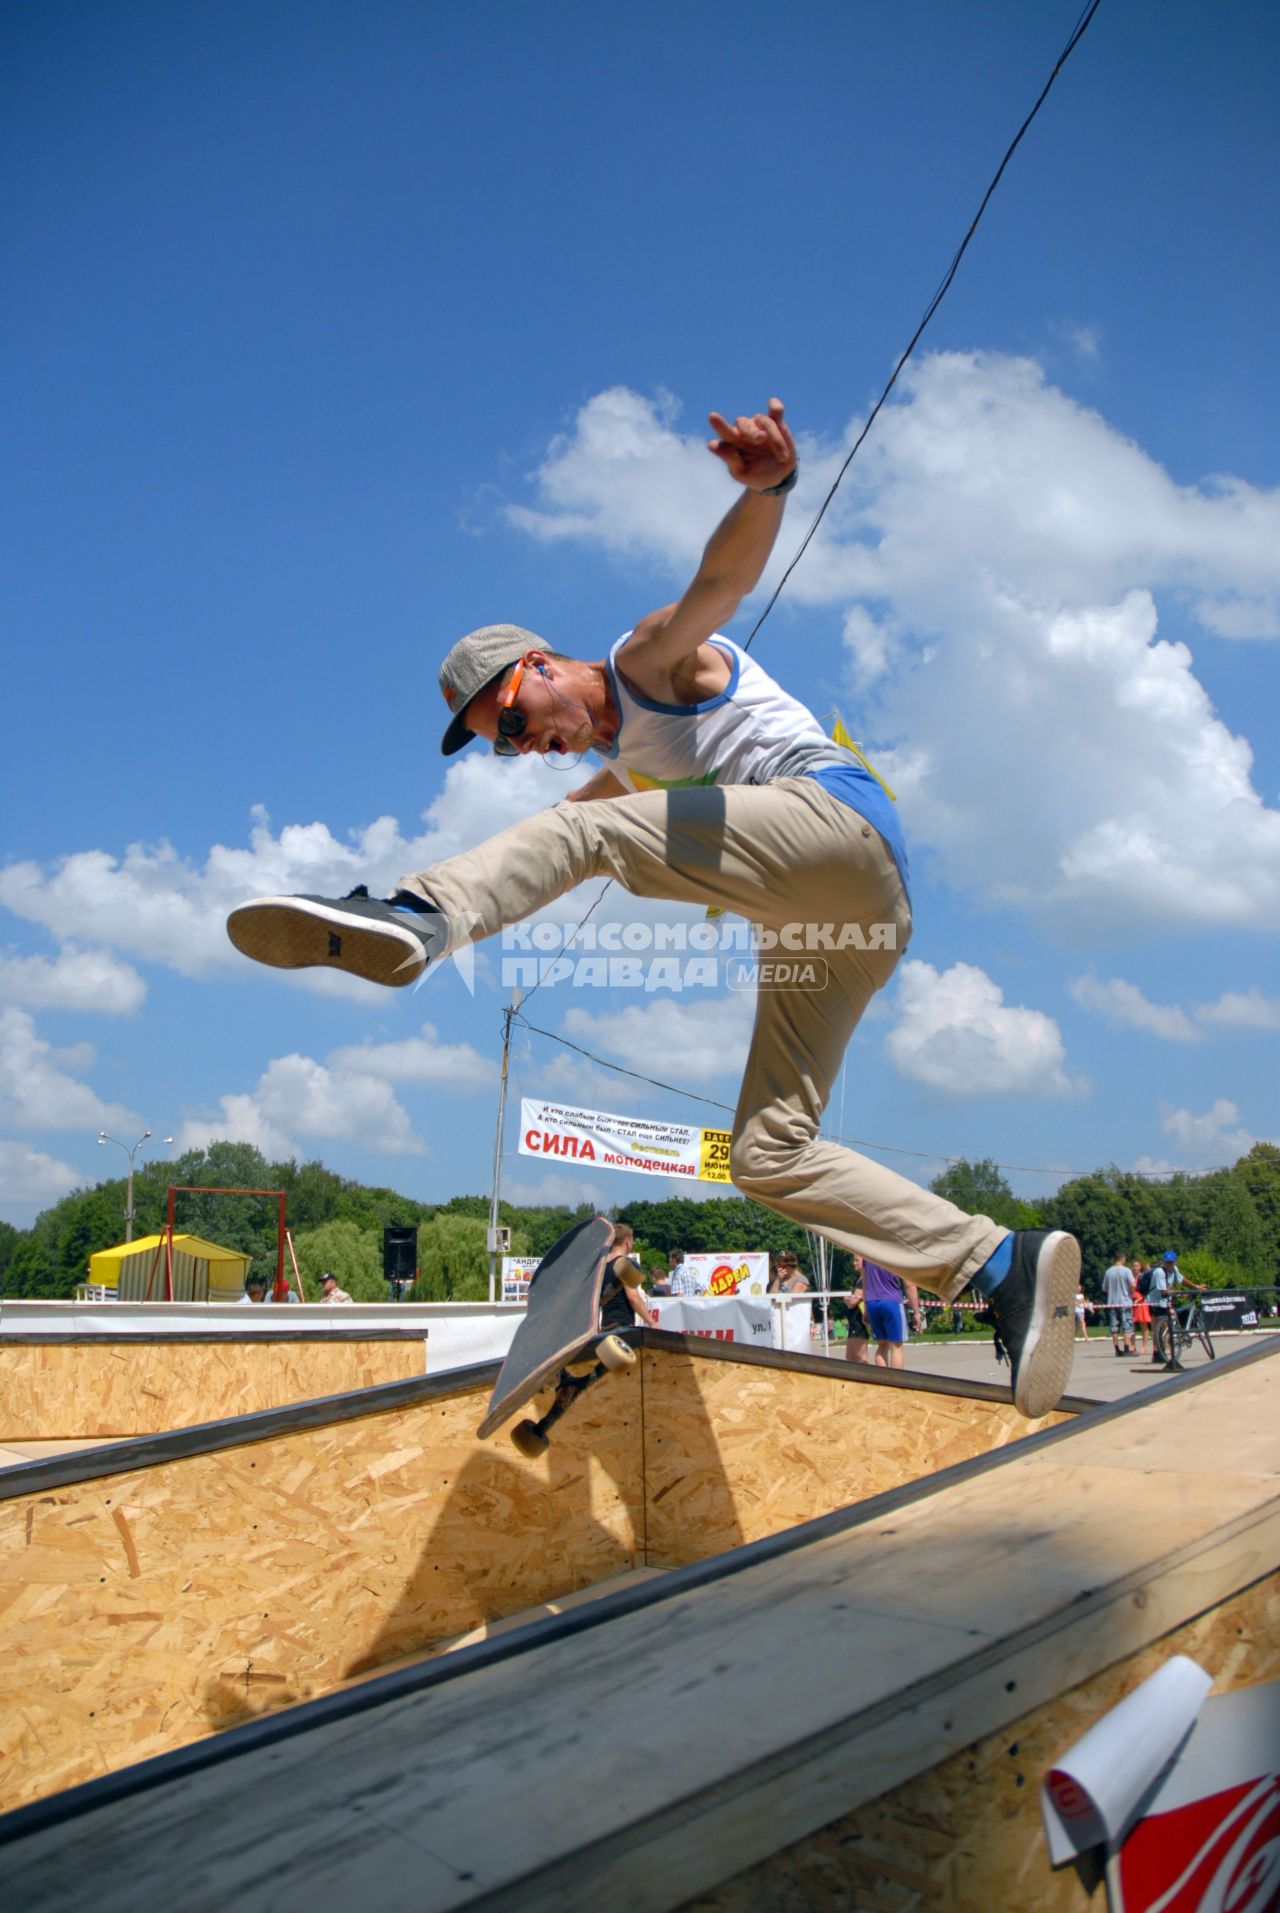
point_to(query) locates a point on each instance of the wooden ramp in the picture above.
(69, 1386)
(719, 1730)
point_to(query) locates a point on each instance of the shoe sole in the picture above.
(1049, 1350)
(292, 934)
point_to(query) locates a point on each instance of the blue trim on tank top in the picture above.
(681, 710)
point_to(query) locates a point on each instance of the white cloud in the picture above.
(998, 549)
(555, 1187)
(1242, 1010)
(73, 980)
(1210, 1141)
(1083, 340)
(418, 1059)
(687, 1044)
(152, 903)
(37, 1090)
(1122, 1002)
(954, 1032)
(624, 478)
(29, 1179)
(561, 1077)
(297, 1097)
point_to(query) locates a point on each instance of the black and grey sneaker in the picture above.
(357, 933)
(1034, 1308)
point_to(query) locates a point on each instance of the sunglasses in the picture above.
(510, 718)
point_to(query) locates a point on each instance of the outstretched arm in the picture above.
(759, 452)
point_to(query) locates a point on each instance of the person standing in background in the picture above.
(886, 1314)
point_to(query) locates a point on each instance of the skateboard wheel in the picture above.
(529, 1439)
(615, 1354)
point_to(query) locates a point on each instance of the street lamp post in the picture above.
(130, 1153)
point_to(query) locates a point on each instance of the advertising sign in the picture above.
(561, 1133)
(731, 1271)
(726, 1318)
(1227, 1308)
(517, 1272)
(1181, 1793)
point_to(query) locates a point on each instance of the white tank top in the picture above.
(752, 733)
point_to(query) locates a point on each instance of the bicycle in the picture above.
(1172, 1335)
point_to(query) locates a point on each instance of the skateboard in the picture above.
(559, 1337)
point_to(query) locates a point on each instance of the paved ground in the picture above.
(1097, 1373)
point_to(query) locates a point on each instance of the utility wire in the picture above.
(1077, 33)
(854, 1142)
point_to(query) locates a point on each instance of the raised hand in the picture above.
(759, 451)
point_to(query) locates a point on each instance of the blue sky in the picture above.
(334, 331)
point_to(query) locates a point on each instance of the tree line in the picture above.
(1224, 1225)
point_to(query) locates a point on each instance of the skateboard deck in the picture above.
(563, 1320)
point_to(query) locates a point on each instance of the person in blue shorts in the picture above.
(886, 1312)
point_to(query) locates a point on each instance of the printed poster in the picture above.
(559, 1133)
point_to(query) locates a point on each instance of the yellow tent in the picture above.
(202, 1271)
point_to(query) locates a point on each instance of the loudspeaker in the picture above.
(399, 1254)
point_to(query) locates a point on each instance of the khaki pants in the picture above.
(778, 854)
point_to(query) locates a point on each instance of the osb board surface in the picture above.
(140, 1611)
(738, 1734)
(112, 1389)
(968, 1835)
(734, 1452)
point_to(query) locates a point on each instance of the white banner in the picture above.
(728, 1318)
(731, 1272)
(557, 1131)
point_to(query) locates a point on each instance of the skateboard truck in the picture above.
(610, 1353)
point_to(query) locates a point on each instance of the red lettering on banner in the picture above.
(552, 1143)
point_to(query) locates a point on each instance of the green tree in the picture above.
(1259, 1172)
(1212, 1271)
(1235, 1233)
(981, 1190)
(353, 1254)
(453, 1258)
(1094, 1210)
(246, 1223)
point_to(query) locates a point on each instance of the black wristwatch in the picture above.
(784, 485)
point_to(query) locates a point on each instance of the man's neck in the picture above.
(599, 705)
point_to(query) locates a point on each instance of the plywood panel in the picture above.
(754, 1706)
(139, 1611)
(105, 1390)
(968, 1835)
(735, 1452)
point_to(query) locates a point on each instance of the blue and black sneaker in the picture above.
(367, 936)
(1034, 1307)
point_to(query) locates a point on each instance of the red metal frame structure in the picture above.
(280, 1288)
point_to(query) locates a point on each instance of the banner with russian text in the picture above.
(724, 1318)
(735, 1272)
(559, 1133)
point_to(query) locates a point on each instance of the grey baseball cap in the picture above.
(474, 662)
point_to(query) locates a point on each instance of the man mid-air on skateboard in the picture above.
(716, 787)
